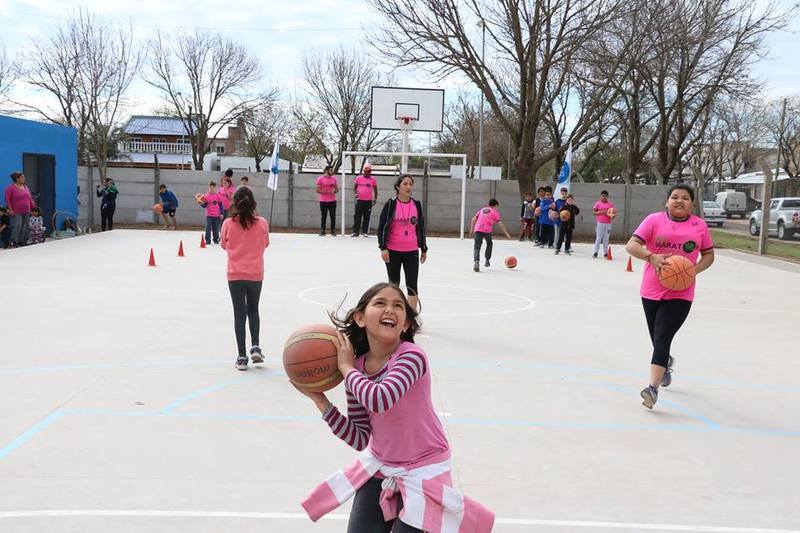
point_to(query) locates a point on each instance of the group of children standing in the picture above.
(217, 203)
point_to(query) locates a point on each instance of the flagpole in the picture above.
(271, 203)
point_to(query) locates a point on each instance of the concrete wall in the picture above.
(138, 193)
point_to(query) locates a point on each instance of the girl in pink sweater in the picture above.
(401, 481)
(245, 236)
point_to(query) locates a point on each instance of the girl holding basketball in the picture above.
(667, 300)
(245, 236)
(404, 470)
(401, 237)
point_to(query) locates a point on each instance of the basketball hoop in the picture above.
(406, 123)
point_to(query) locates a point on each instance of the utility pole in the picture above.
(766, 197)
(780, 146)
(480, 118)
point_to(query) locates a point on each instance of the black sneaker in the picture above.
(477, 266)
(649, 396)
(605, 255)
(568, 252)
(666, 381)
(486, 264)
(354, 235)
(594, 255)
(241, 362)
(255, 355)
(558, 251)
(321, 233)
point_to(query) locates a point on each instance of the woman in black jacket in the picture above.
(401, 237)
(108, 204)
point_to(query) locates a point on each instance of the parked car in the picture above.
(713, 213)
(733, 202)
(784, 218)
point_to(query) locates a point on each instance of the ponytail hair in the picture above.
(244, 207)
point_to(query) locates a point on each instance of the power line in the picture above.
(184, 27)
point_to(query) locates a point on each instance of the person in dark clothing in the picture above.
(108, 204)
(5, 228)
(169, 204)
(568, 226)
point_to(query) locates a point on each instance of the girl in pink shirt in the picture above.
(226, 190)
(674, 232)
(245, 236)
(391, 417)
(401, 236)
(212, 202)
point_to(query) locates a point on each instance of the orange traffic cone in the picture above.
(608, 255)
(152, 261)
(180, 250)
(629, 268)
(202, 241)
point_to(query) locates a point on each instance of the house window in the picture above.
(220, 149)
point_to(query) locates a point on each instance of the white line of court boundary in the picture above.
(302, 516)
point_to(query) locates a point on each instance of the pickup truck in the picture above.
(784, 218)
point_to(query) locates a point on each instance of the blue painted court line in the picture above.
(31, 432)
(208, 390)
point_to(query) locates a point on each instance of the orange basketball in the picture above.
(677, 273)
(565, 216)
(309, 358)
(612, 212)
(158, 209)
(511, 261)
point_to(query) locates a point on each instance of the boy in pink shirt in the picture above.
(245, 236)
(603, 220)
(482, 225)
(212, 202)
(661, 235)
(365, 187)
(327, 187)
(226, 190)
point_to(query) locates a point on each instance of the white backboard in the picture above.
(391, 103)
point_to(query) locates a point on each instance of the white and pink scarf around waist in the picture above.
(430, 502)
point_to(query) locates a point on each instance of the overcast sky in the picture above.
(278, 32)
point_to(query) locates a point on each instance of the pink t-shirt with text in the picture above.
(605, 206)
(364, 186)
(662, 235)
(487, 216)
(245, 248)
(403, 228)
(226, 195)
(327, 184)
(213, 202)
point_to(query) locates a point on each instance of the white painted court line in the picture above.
(301, 516)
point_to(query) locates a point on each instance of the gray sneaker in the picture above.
(477, 266)
(666, 381)
(255, 355)
(241, 363)
(649, 396)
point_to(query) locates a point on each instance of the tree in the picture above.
(208, 81)
(262, 128)
(783, 119)
(88, 68)
(8, 72)
(335, 115)
(536, 50)
(694, 54)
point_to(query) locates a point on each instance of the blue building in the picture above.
(48, 156)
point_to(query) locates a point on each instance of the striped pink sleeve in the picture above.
(354, 429)
(380, 397)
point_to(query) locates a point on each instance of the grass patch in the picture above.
(731, 241)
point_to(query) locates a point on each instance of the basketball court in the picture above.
(122, 411)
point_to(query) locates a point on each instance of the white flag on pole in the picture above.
(566, 173)
(273, 168)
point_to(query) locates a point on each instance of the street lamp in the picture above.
(480, 119)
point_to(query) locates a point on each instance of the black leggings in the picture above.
(325, 209)
(476, 248)
(564, 237)
(664, 319)
(245, 295)
(366, 515)
(410, 263)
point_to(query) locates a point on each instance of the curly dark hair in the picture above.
(357, 334)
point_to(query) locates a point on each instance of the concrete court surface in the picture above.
(120, 408)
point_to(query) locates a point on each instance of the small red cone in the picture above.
(152, 261)
(180, 250)
(608, 255)
(629, 268)
(202, 241)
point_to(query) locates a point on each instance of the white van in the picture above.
(733, 202)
